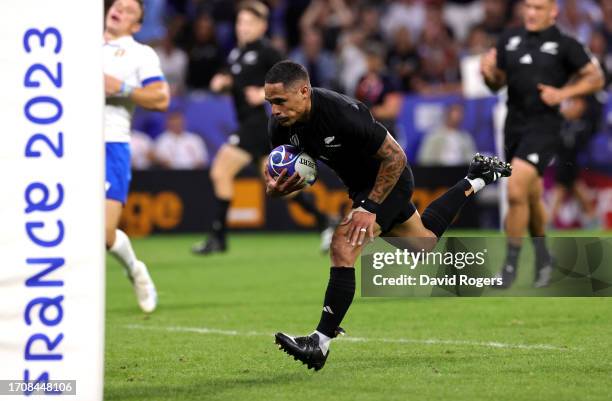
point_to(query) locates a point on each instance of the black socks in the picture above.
(338, 299)
(542, 256)
(219, 225)
(441, 212)
(512, 255)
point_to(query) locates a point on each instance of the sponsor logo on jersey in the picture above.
(513, 43)
(550, 48)
(250, 57)
(233, 56)
(294, 140)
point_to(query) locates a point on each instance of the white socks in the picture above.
(122, 250)
(476, 183)
(323, 342)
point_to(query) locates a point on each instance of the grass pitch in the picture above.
(212, 335)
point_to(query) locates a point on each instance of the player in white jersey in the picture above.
(132, 77)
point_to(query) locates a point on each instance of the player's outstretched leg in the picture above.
(483, 170)
(136, 271)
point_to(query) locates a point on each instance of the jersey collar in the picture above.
(254, 44)
(550, 32)
(121, 40)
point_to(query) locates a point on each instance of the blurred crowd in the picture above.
(374, 50)
(354, 46)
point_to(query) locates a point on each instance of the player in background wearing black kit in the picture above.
(341, 132)
(536, 62)
(247, 63)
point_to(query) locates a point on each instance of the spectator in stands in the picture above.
(379, 91)
(368, 22)
(177, 148)
(462, 15)
(403, 59)
(173, 63)
(352, 60)
(409, 14)
(291, 12)
(478, 42)
(598, 47)
(331, 17)
(575, 20)
(496, 13)
(606, 25)
(141, 147)
(448, 144)
(205, 56)
(439, 72)
(320, 63)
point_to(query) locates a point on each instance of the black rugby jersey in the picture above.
(547, 57)
(340, 132)
(248, 67)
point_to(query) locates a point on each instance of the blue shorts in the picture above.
(118, 172)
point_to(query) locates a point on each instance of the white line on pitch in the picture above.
(433, 341)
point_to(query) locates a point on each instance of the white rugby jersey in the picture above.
(135, 64)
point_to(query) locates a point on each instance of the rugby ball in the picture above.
(293, 159)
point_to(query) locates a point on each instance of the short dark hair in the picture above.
(286, 72)
(257, 8)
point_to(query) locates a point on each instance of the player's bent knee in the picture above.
(222, 178)
(341, 252)
(428, 241)
(217, 173)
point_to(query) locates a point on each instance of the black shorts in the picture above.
(252, 137)
(535, 142)
(397, 207)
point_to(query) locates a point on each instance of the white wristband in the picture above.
(126, 90)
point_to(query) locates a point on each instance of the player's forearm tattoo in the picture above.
(393, 161)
